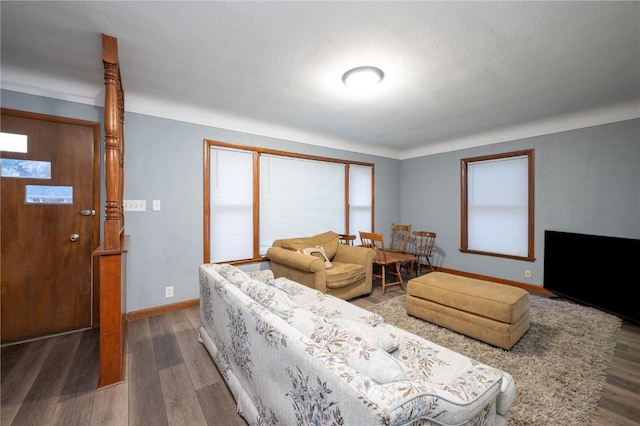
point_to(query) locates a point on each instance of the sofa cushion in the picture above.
(352, 347)
(344, 274)
(269, 296)
(232, 273)
(300, 293)
(331, 307)
(262, 275)
(374, 336)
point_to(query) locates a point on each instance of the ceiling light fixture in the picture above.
(362, 77)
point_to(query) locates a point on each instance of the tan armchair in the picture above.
(350, 273)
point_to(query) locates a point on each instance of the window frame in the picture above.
(257, 152)
(464, 208)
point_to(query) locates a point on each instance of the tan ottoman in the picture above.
(497, 314)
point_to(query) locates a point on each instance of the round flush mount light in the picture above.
(362, 77)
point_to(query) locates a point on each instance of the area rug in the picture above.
(559, 366)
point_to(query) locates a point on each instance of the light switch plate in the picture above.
(156, 205)
(134, 205)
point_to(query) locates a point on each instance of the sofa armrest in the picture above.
(302, 268)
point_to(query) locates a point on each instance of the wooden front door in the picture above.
(48, 225)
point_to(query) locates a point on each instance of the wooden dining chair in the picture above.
(422, 248)
(399, 238)
(399, 241)
(382, 259)
(346, 239)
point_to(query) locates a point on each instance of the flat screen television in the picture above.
(594, 270)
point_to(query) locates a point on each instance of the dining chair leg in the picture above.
(430, 265)
(399, 275)
(383, 278)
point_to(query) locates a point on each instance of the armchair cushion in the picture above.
(343, 274)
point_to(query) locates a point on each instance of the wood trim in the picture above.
(373, 199)
(261, 150)
(464, 196)
(111, 256)
(206, 195)
(347, 199)
(256, 205)
(503, 256)
(113, 143)
(160, 310)
(113, 325)
(96, 224)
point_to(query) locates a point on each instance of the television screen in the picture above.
(594, 270)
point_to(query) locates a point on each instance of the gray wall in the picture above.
(164, 161)
(587, 180)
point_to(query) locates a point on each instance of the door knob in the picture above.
(87, 212)
(74, 237)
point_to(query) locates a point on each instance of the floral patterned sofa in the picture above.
(293, 355)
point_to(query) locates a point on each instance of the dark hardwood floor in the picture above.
(171, 380)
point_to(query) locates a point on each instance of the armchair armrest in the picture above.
(302, 268)
(354, 254)
(358, 256)
(293, 259)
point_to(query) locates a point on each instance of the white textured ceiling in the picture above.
(457, 74)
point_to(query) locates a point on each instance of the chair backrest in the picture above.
(423, 242)
(399, 237)
(375, 241)
(346, 239)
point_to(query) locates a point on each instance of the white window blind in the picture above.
(294, 196)
(360, 200)
(498, 206)
(299, 197)
(231, 204)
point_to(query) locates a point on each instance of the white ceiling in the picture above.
(457, 74)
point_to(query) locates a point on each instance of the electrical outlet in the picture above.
(527, 273)
(134, 205)
(156, 205)
(168, 291)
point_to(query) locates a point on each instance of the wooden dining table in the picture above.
(387, 258)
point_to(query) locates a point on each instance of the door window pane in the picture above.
(26, 168)
(12, 142)
(48, 194)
